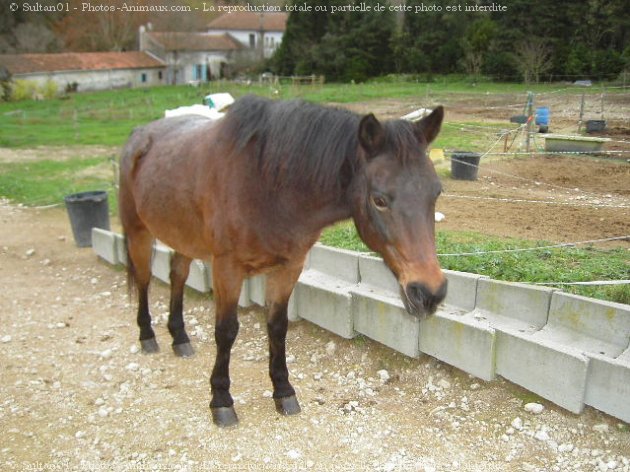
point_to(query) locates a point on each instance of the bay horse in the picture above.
(252, 192)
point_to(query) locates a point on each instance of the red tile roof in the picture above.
(173, 41)
(70, 61)
(250, 21)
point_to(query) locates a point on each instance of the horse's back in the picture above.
(161, 132)
(161, 166)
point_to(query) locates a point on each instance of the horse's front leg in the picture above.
(280, 284)
(227, 280)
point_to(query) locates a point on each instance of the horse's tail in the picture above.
(138, 145)
(131, 270)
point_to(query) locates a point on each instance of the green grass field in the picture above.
(107, 118)
(546, 265)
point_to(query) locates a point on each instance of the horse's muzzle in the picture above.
(420, 301)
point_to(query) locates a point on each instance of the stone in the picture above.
(534, 408)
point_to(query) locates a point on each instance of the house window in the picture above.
(252, 40)
(143, 77)
(198, 72)
(160, 74)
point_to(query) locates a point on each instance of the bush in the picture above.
(49, 89)
(23, 90)
(500, 65)
(29, 90)
(607, 63)
(5, 90)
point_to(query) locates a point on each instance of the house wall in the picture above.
(183, 66)
(272, 39)
(99, 80)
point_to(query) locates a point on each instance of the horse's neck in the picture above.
(333, 208)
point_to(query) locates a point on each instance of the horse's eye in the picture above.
(380, 202)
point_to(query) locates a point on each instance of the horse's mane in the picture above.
(296, 143)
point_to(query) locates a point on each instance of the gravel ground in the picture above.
(77, 395)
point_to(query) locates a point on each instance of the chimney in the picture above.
(142, 31)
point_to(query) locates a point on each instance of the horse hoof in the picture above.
(287, 406)
(149, 346)
(183, 350)
(224, 416)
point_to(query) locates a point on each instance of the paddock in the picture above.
(79, 395)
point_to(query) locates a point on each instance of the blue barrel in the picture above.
(542, 116)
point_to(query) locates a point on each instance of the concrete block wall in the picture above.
(161, 262)
(454, 335)
(608, 385)
(378, 311)
(198, 278)
(322, 294)
(104, 244)
(571, 350)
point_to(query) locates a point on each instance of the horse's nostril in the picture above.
(418, 294)
(424, 299)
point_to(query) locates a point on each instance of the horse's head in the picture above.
(393, 204)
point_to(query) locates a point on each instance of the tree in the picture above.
(101, 31)
(534, 59)
(303, 32)
(343, 46)
(477, 42)
(24, 32)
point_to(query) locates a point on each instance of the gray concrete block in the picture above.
(552, 370)
(198, 277)
(104, 245)
(608, 385)
(459, 340)
(376, 274)
(593, 326)
(381, 316)
(325, 304)
(257, 288)
(322, 294)
(292, 311)
(208, 264)
(454, 335)
(512, 306)
(338, 263)
(121, 249)
(462, 289)
(243, 300)
(161, 262)
(378, 310)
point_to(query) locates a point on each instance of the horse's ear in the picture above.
(429, 126)
(371, 135)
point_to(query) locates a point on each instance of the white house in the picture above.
(191, 57)
(260, 33)
(85, 71)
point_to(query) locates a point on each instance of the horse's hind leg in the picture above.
(139, 249)
(180, 267)
(279, 287)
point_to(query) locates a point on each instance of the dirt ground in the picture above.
(559, 198)
(77, 395)
(556, 199)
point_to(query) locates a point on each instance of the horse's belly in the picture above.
(174, 220)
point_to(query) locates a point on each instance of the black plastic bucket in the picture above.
(87, 210)
(464, 165)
